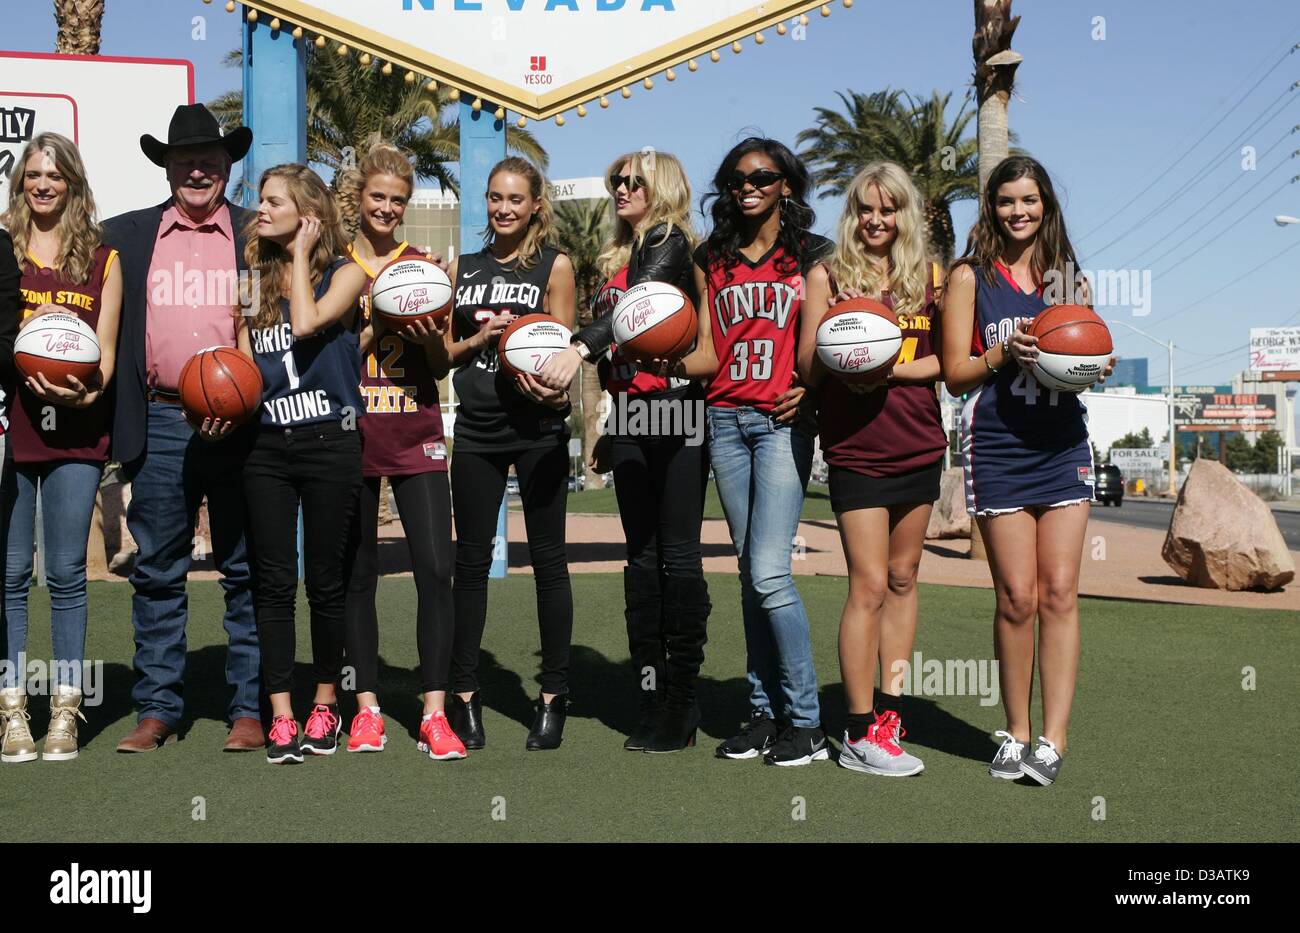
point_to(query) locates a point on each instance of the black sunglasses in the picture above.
(760, 179)
(631, 181)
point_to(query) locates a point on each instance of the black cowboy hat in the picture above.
(194, 125)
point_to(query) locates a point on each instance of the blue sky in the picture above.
(1160, 108)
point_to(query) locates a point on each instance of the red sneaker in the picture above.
(438, 740)
(367, 732)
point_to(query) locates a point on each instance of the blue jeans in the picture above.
(761, 469)
(167, 485)
(67, 489)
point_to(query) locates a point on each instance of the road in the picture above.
(1155, 513)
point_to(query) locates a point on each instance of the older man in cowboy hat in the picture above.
(180, 261)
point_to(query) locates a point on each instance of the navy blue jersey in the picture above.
(1023, 444)
(307, 380)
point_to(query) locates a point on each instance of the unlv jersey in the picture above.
(754, 313)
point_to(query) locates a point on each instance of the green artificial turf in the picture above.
(1162, 730)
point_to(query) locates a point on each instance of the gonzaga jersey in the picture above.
(492, 414)
(308, 380)
(403, 429)
(754, 313)
(1023, 444)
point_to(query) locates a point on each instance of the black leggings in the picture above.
(424, 504)
(660, 483)
(319, 466)
(478, 480)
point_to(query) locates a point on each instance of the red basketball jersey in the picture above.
(402, 429)
(623, 374)
(754, 313)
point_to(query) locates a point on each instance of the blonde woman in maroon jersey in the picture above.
(884, 444)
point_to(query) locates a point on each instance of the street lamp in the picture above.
(1173, 434)
(1282, 220)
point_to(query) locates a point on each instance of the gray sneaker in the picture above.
(1006, 763)
(1044, 765)
(879, 751)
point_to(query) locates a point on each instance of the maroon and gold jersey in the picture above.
(895, 429)
(402, 429)
(754, 313)
(39, 430)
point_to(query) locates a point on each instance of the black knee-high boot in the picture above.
(686, 616)
(644, 610)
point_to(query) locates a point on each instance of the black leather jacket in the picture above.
(659, 259)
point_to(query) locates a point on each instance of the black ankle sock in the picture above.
(858, 724)
(884, 701)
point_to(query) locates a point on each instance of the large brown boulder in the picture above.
(1223, 536)
(949, 518)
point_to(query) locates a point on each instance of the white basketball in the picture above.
(528, 343)
(58, 345)
(857, 343)
(1068, 372)
(409, 289)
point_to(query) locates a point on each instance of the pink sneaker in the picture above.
(437, 738)
(367, 732)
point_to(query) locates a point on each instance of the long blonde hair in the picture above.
(541, 224)
(271, 260)
(78, 232)
(381, 159)
(907, 268)
(668, 201)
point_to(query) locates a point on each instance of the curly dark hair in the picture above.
(797, 217)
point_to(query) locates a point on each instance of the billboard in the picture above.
(1275, 352)
(1226, 412)
(1139, 460)
(536, 57)
(86, 99)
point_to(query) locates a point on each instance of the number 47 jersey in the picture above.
(1024, 445)
(754, 313)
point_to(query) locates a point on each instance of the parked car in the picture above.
(512, 485)
(577, 482)
(1110, 485)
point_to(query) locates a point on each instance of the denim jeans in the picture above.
(761, 469)
(167, 485)
(67, 489)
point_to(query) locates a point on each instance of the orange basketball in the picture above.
(220, 383)
(1074, 346)
(655, 320)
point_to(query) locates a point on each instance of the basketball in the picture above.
(655, 320)
(1074, 345)
(411, 289)
(858, 340)
(529, 342)
(57, 346)
(220, 383)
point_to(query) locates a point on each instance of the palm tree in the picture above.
(581, 229)
(349, 105)
(892, 125)
(995, 76)
(80, 23)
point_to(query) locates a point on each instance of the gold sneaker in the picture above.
(18, 744)
(61, 740)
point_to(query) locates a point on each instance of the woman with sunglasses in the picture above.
(659, 480)
(750, 275)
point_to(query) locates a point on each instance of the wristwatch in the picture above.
(583, 350)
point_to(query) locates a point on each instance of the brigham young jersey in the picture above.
(754, 313)
(492, 414)
(307, 380)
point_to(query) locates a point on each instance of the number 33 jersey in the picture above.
(1024, 445)
(754, 314)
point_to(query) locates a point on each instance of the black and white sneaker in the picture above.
(755, 739)
(1044, 765)
(798, 746)
(283, 747)
(1006, 763)
(321, 734)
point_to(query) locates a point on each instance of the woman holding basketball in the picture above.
(57, 434)
(502, 422)
(660, 480)
(403, 440)
(884, 444)
(308, 451)
(1028, 461)
(750, 275)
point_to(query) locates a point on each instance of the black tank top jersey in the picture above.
(307, 380)
(492, 414)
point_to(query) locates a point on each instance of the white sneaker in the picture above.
(878, 752)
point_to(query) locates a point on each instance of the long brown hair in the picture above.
(79, 234)
(541, 224)
(988, 241)
(271, 260)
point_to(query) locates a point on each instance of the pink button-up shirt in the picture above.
(192, 293)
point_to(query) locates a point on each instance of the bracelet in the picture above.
(985, 357)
